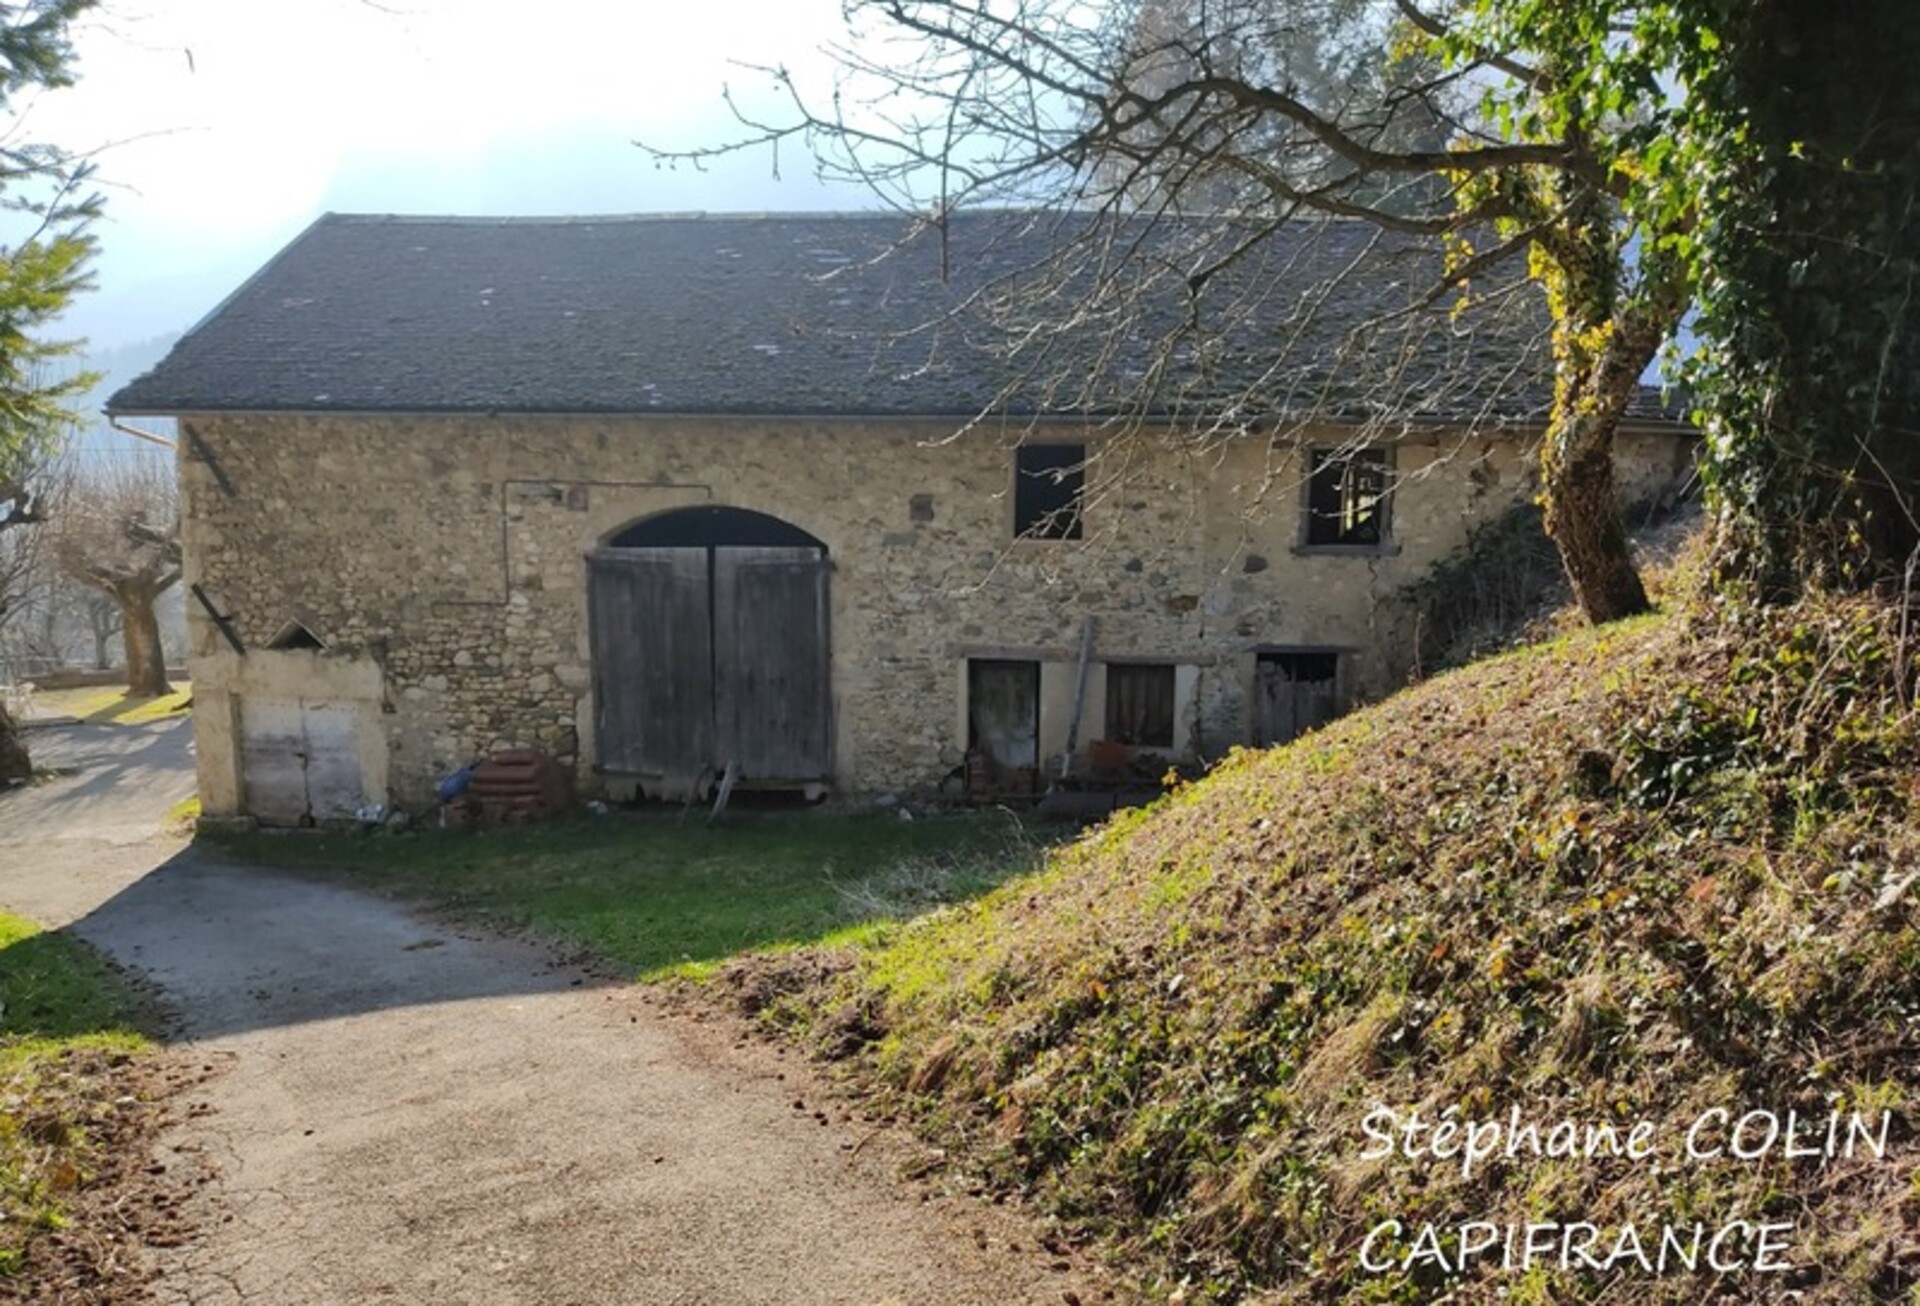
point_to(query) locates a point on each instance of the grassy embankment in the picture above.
(1640, 874)
(70, 1041)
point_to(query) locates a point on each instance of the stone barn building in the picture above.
(661, 495)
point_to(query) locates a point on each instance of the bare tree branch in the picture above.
(1186, 157)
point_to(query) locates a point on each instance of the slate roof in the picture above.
(849, 314)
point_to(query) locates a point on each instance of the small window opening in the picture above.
(1347, 497)
(294, 635)
(1049, 484)
(1140, 705)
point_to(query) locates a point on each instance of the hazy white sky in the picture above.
(230, 124)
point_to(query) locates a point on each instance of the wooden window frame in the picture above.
(1321, 460)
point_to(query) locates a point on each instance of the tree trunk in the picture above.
(15, 765)
(140, 633)
(1583, 520)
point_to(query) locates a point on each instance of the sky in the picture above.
(221, 128)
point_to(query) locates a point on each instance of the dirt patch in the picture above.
(127, 1203)
(758, 982)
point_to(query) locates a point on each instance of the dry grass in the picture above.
(82, 1096)
(1634, 875)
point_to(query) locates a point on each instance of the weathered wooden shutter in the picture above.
(652, 634)
(1140, 704)
(1315, 703)
(772, 687)
(1293, 693)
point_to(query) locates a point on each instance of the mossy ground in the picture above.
(1637, 874)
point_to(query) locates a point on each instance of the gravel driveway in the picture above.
(111, 784)
(405, 1113)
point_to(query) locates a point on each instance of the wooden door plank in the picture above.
(1003, 711)
(773, 697)
(1284, 707)
(1317, 703)
(652, 642)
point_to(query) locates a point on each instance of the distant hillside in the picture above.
(1658, 877)
(117, 366)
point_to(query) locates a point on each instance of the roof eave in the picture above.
(1507, 425)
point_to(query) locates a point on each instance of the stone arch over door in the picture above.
(709, 631)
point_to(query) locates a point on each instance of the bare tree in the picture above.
(1434, 124)
(115, 528)
(105, 623)
(19, 568)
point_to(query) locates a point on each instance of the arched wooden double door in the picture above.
(709, 635)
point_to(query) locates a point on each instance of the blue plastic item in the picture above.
(456, 784)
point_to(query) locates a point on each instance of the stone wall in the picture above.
(444, 560)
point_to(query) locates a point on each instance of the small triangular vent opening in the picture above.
(295, 635)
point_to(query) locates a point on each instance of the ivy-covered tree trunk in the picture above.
(1582, 516)
(15, 765)
(1814, 290)
(1604, 336)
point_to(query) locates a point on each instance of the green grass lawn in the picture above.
(111, 705)
(68, 1022)
(665, 897)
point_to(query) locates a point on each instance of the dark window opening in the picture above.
(1347, 497)
(1140, 705)
(1049, 482)
(1303, 667)
(294, 635)
(1003, 726)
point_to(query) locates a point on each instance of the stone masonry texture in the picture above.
(441, 561)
